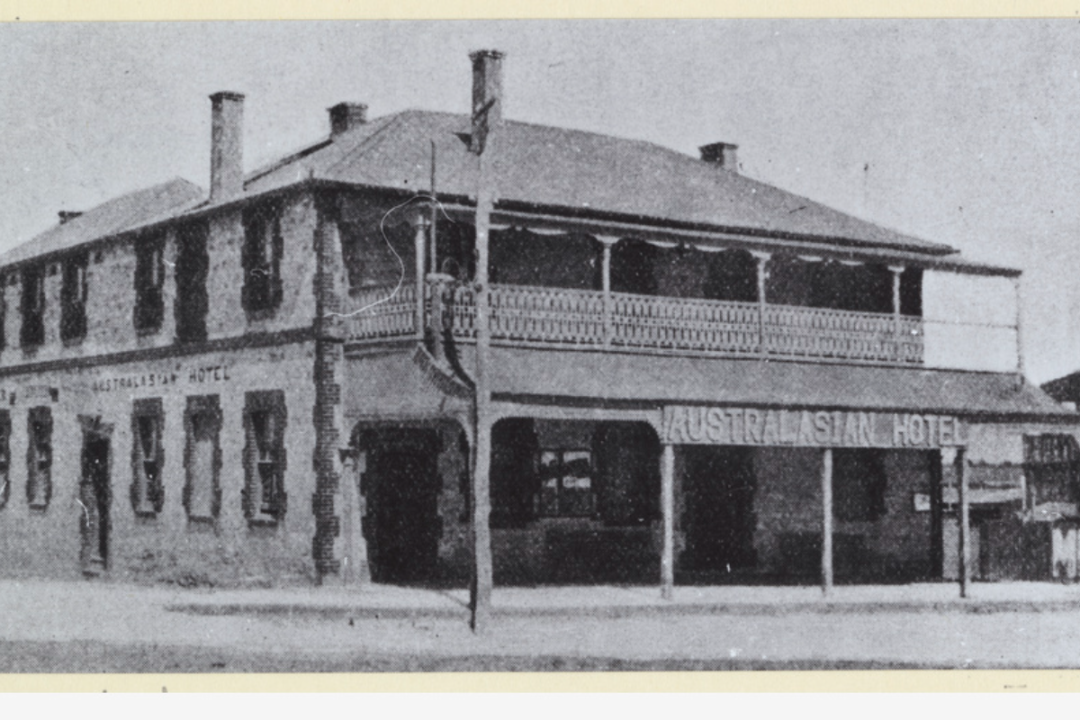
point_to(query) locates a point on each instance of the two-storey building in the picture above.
(694, 376)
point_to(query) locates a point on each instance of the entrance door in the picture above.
(719, 510)
(94, 495)
(403, 520)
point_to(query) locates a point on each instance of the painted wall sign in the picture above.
(692, 425)
(194, 376)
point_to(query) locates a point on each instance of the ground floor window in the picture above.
(147, 457)
(202, 457)
(566, 487)
(264, 456)
(39, 457)
(5, 457)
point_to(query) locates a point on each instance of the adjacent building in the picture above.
(695, 377)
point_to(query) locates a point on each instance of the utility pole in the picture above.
(486, 122)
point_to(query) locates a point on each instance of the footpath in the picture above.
(93, 626)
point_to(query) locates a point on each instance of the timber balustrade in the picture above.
(592, 319)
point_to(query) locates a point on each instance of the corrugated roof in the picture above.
(572, 169)
(544, 167)
(123, 213)
(640, 378)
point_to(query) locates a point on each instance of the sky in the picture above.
(965, 132)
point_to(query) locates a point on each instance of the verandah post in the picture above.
(896, 271)
(826, 521)
(420, 222)
(667, 511)
(762, 275)
(605, 284)
(965, 522)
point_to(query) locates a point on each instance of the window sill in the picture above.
(263, 526)
(73, 342)
(147, 331)
(39, 507)
(261, 314)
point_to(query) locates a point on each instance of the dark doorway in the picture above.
(719, 511)
(402, 525)
(95, 496)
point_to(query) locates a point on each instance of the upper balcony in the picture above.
(579, 294)
(594, 320)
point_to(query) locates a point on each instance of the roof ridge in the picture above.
(369, 142)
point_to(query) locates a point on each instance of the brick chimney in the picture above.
(346, 116)
(226, 146)
(722, 154)
(68, 215)
(486, 96)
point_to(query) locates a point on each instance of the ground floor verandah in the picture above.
(596, 496)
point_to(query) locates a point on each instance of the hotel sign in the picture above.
(693, 425)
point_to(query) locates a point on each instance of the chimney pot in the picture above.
(486, 96)
(226, 145)
(722, 154)
(68, 215)
(346, 116)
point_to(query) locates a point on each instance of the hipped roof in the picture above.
(548, 168)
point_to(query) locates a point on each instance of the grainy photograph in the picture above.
(539, 346)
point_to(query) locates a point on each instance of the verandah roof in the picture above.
(628, 378)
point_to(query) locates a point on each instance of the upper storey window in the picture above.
(73, 299)
(262, 258)
(32, 332)
(149, 284)
(192, 268)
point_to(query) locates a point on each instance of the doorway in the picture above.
(719, 514)
(402, 526)
(95, 498)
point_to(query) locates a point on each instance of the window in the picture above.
(3, 312)
(264, 456)
(858, 485)
(73, 299)
(262, 258)
(5, 457)
(149, 284)
(39, 457)
(202, 458)
(565, 483)
(32, 332)
(192, 267)
(147, 457)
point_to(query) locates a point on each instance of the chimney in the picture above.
(486, 96)
(226, 146)
(346, 116)
(67, 215)
(722, 154)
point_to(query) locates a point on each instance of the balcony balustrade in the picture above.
(592, 319)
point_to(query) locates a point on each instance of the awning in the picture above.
(610, 377)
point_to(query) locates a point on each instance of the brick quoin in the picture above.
(327, 366)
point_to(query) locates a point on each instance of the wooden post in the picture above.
(432, 244)
(605, 284)
(487, 124)
(965, 523)
(762, 275)
(1019, 336)
(354, 567)
(667, 510)
(897, 271)
(420, 226)
(826, 521)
